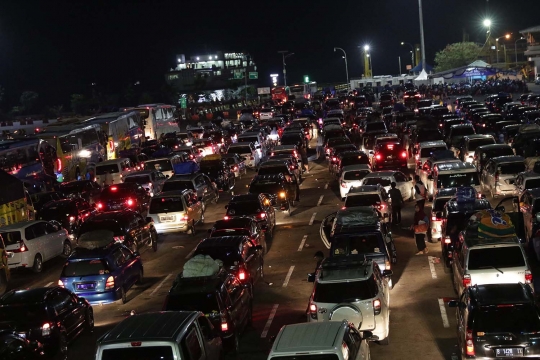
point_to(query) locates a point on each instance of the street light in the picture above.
(487, 23)
(346, 66)
(285, 54)
(367, 63)
(515, 46)
(507, 36)
(412, 52)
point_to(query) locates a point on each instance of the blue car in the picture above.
(102, 275)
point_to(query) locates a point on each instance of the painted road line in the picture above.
(320, 200)
(160, 284)
(49, 284)
(269, 322)
(325, 186)
(302, 243)
(444, 316)
(312, 219)
(431, 261)
(288, 277)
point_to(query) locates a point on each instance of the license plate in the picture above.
(89, 286)
(390, 157)
(508, 352)
(166, 218)
(23, 335)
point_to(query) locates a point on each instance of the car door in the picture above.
(131, 270)
(134, 231)
(240, 303)
(212, 191)
(143, 228)
(67, 312)
(123, 276)
(196, 205)
(252, 260)
(40, 241)
(458, 265)
(55, 239)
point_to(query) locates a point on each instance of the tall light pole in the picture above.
(367, 63)
(285, 54)
(515, 46)
(422, 44)
(487, 23)
(507, 36)
(412, 53)
(399, 61)
(346, 66)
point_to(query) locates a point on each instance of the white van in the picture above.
(425, 150)
(455, 174)
(164, 164)
(112, 171)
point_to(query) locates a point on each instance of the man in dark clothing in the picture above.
(397, 202)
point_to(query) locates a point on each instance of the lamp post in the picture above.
(507, 36)
(367, 62)
(412, 53)
(399, 61)
(515, 46)
(422, 43)
(285, 55)
(346, 65)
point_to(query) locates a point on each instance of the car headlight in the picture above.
(282, 194)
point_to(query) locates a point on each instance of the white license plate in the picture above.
(166, 218)
(509, 352)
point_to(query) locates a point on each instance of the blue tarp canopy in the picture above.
(418, 68)
(477, 68)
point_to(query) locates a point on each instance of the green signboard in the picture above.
(253, 75)
(238, 75)
(183, 103)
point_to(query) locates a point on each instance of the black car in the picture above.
(219, 172)
(281, 190)
(293, 138)
(226, 302)
(124, 196)
(241, 226)
(52, 316)
(239, 254)
(40, 199)
(389, 155)
(15, 347)
(497, 321)
(350, 158)
(128, 226)
(68, 212)
(87, 189)
(258, 206)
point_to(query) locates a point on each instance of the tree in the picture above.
(456, 55)
(29, 100)
(79, 104)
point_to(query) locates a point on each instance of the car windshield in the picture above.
(462, 131)
(429, 136)
(230, 256)
(376, 126)
(11, 237)
(177, 185)
(159, 165)
(165, 205)
(210, 164)
(376, 180)
(355, 174)
(473, 144)
(239, 150)
(517, 319)
(243, 208)
(163, 352)
(362, 200)
(107, 169)
(499, 257)
(347, 291)
(511, 168)
(354, 160)
(56, 211)
(358, 244)
(192, 301)
(230, 232)
(85, 268)
(265, 187)
(456, 180)
(138, 179)
(498, 152)
(428, 151)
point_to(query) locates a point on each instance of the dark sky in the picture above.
(60, 47)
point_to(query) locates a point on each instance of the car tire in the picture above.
(385, 341)
(193, 231)
(153, 240)
(89, 320)
(123, 295)
(37, 267)
(67, 249)
(140, 278)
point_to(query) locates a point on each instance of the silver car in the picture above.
(152, 180)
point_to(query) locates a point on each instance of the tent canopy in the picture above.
(475, 69)
(418, 68)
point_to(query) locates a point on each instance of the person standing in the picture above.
(397, 203)
(420, 229)
(419, 192)
(320, 148)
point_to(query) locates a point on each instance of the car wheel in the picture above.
(153, 239)
(385, 341)
(123, 295)
(412, 195)
(140, 278)
(37, 267)
(89, 320)
(67, 248)
(193, 228)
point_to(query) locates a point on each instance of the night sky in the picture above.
(57, 48)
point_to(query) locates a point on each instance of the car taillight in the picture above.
(378, 156)
(99, 205)
(59, 165)
(251, 158)
(235, 168)
(242, 274)
(225, 218)
(528, 277)
(466, 280)
(71, 219)
(185, 217)
(224, 324)
(262, 215)
(417, 157)
(381, 207)
(343, 184)
(376, 306)
(60, 283)
(447, 240)
(118, 238)
(469, 343)
(313, 311)
(22, 247)
(404, 154)
(387, 264)
(46, 329)
(109, 284)
(129, 202)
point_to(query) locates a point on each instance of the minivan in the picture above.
(112, 171)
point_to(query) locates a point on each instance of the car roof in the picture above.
(112, 215)
(240, 143)
(364, 189)
(451, 166)
(355, 167)
(478, 136)
(307, 337)
(19, 226)
(432, 143)
(457, 126)
(493, 147)
(81, 253)
(530, 174)
(174, 193)
(182, 177)
(246, 197)
(269, 177)
(494, 294)
(163, 325)
(223, 241)
(25, 296)
(507, 159)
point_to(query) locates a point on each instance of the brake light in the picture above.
(22, 248)
(59, 165)
(224, 324)
(466, 280)
(387, 264)
(313, 311)
(376, 306)
(99, 205)
(242, 275)
(129, 202)
(528, 277)
(381, 206)
(404, 154)
(390, 147)
(262, 215)
(109, 284)
(60, 283)
(343, 184)
(72, 219)
(136, 343)
(114, 188)
(225, 218)
(235, 168)
(118, 238)
(447, 240)
(185, 217)
(417, 157)
(469, 343)
(46, 329)
(378, 156)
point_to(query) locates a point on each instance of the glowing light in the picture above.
(487, 22)
(85, 153)
(366, 47)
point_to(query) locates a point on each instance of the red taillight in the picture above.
(46, 329)
(390, 147)
(185, 217)
(235, 168)
(417, 157)
(381, 207)
(22, 248)
(262, 215)
(118, 238)
(466, 280)
(376, 306)
(447, 240)
(343, 184)
(404, 154)
(528, 277)
(224, 324)
(334, 158)
(114, 188)
(109, 284)
(469, 343)
(60, 283)
(129, 202)
(136, 343)
(225, 218)
(99, 205)
(242, 275)
(59, 165)
(378, 156)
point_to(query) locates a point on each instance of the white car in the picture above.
(151, 180)
(30, 243)
(352, 175)
(247, 150)
(385, 178)
(499, 174)
(370, 195)
(266, 114)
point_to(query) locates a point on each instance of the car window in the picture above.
(118, 257)
(29, 232)
(191, 345)
(499, 257)
(61, 301)
(206, 327)
(199, 181)
(50, 228)
(234, 288)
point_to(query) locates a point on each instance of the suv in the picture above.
(352, 176)
(201, 184)
(150, 180)
(176, 211)
(125, 195)
(218, 171)
(485, 152)
(355, 290)
(223, 299)
(497, 321)
(467, 146)
(70, 213)
(283, 191)
(241, 225)
(337, 338)
(257, 206)
(499, 174)
(246, 150)
(161, 335)
(370, 195)
(389, 155)
(439, 201)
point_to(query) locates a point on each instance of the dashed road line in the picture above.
(269, 321)
(325, 186)
(288, 277)
(160, 284)
(312, 219)
(444, 316)
(49, 284)
(302, 243)
(431, 259)
(320, 200)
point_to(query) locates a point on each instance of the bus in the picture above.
(158, 119)
(119, 130)
(280, 94)
(303, 91)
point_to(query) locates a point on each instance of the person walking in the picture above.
(419, 192)
(420, 229)
(397, 203)
(320, 148)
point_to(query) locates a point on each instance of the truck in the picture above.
(15, 202)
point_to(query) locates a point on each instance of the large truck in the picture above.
(15, 203)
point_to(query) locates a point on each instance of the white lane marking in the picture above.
(444, 316)
(269, 321)
(160, 284)
(302, 243)
(431, 259)
(325, 186)
(191, 253)
(288, 277)
(312, 219)
(49, 284)
(320, 200)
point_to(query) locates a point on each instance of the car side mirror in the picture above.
(500, 208)
(311, 277)
(430, 177)
(387, 273)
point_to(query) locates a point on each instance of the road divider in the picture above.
(269, 321)
(320, 200)
(49, 284)
(312, 219)
(302, 243)
(444, 316)
(288, 277)
(431, 261)
(160, 284)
